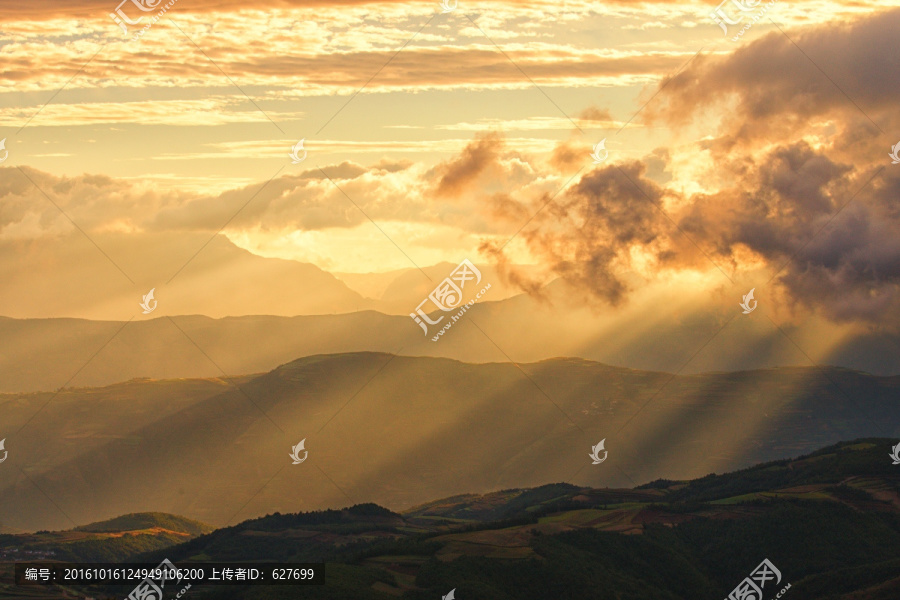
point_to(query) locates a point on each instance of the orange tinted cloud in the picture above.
(457, 174)
(797, 175)
(48, 9)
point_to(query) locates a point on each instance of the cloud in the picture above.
(49, 9)
(35, 203)
(794, 179)
(462, 171)
(211, 111)
(322, 72)
(833, 70)
(571, 154)
(568, 155)
(793, 209)
(797, 180)
(804, 204)
(587, 234)
(342, 195)
(594, 113)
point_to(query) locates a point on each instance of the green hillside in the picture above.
(107, 541)
(138, 521)
(829, 521)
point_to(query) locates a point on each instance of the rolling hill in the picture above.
(399, 431)
(45, 354)
(829, 521)
(106, 541)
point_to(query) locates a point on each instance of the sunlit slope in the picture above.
(106, 541)
(399, 431)
(140, 521)
(827, 520)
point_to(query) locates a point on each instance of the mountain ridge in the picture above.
(667, 543)
(201, 445)
(41, 354)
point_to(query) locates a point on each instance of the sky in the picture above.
(436, 135)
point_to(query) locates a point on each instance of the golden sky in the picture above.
(436, 136)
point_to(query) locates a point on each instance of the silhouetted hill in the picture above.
(44, 354)
(400, 431)
(838, 538)
(191, 273)
(829, 521)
